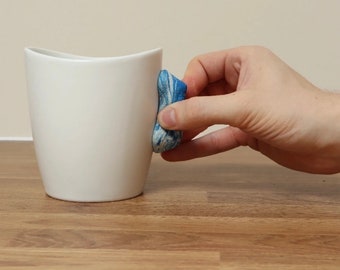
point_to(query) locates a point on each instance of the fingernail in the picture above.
(167, 118)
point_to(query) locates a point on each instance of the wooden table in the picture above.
(236, 210)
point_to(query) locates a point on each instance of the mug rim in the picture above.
(62, 56)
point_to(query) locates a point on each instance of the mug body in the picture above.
(92, 121)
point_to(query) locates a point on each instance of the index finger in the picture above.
(210, 68)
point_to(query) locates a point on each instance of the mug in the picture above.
(92, 120)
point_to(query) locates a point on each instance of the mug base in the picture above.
(83, 200)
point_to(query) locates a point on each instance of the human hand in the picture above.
(267, 105)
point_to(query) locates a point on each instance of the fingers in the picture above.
(190, 134)
(215, 74)
(213, 67)
(219, 141)
(198, 112)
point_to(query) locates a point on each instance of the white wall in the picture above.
(305, 33)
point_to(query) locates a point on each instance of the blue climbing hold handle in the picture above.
(170, 90)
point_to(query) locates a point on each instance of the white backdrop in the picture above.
(304, 33)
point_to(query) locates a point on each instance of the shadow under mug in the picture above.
(92, 121)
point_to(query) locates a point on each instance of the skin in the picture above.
(267, 106)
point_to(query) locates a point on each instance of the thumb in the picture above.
(203, 111)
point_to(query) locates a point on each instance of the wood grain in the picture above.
(236, 210)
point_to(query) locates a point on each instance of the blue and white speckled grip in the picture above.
(170, 90)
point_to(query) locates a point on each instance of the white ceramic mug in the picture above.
(92, 121)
